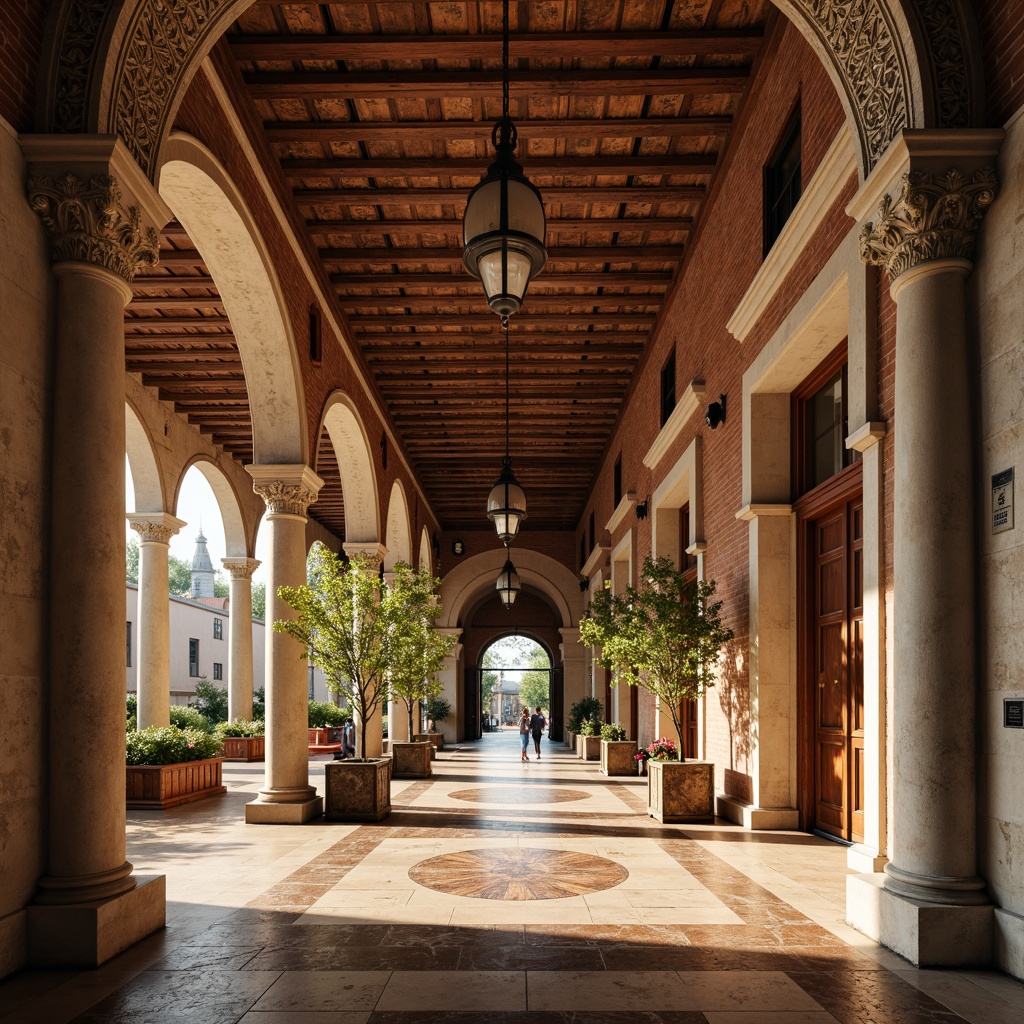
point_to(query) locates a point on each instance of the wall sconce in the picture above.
(716, 413)
(584, 583)
(641, 509)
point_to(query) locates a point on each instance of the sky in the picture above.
(196, 504)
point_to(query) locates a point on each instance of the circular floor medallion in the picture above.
(518, 874)
(517, 797)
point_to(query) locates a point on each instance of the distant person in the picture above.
(348, 739)
(524, 732)
(537, 725)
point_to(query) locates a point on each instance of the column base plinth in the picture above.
(739, 812)
(261, 812)
(864, 860)
(89, 934)
(926, 934)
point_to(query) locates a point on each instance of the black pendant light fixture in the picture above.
(503, 227)
(508, 584)
(506, 504)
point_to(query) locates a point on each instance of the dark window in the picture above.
(218, 629)
(668, 388)
(218, 670)
(591, 531)
(193, 657)
(821, 426)
(617, 482)
(316, 335)
(782, 183)
(583, 552)
(128, 644)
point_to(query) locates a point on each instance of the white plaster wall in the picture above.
(997, 287)
(26, 300)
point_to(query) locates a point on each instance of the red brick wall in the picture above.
(21, 36)
(1001, 27)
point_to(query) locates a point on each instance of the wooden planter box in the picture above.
(411, 760)
(681, 792)
(244, 748)
(324, 740)
(358, 790)
(435, 739)
(618, 757)
(159, 786)
(588, 748)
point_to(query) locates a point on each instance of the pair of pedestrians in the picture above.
(531, 726)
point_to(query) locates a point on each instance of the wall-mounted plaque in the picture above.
(1013, 713)
(1002, 501)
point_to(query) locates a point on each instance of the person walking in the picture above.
(524, 732)
(537, 724)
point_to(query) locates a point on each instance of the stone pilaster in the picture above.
(931, 906)
(100, 213)
(155, 530)
(240, 685)
(286, 796)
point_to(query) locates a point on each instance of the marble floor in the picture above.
(496, 892)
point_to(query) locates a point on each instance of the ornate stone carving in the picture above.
(79, 36)
(933, 218)
(279, 497)
(947, 51)
(150, 530)
(162, 38)
(87, 224)
(240, 568)
(866, 55)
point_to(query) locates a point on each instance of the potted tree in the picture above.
(437, 709)
(584, 709)
(415, 663)
(349, 624)
(665, 635)
(618, 754)
(588, 742)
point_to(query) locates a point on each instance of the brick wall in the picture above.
(1001, 28)
(21, 36)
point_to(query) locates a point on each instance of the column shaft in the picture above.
(240, 682)
(154, 689)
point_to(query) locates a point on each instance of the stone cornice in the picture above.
(685, 408)
(621, 511)
(597, 556)
(934, 217)
(286, 489)
(756, 511)
(866, 436)
(155, 527)
(240, 568)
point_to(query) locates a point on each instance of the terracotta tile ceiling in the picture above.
(380, 115)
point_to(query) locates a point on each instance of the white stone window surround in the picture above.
(689, 402)
(627, 502)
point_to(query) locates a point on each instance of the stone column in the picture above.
(155, 530)
(240, 637)
(375, 553)
(932, 907)
(97, 244)
(286, 798)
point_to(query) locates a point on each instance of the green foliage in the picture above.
(131, 560)
(221, 587)
(613, 732)
(535, 684)
(586, 708)
(179, 577)
(259, 601)
(351, 626)
(509, 652)
(590, 727)
(189, 718)
(323, 714)
(170, 745)
(240, 727)
(259, 704)
(211, 701)
(488, 681)
(665, 635)
(437, 709)
(131, 713)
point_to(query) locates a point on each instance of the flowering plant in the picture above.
(662, 749)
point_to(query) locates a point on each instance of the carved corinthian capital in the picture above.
(280, 497)
(87, 224)
(240, 568)
(933, 218)
(156, 527)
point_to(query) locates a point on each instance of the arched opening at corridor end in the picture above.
(514, 673)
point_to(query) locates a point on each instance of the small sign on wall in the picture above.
(1002, 501)
(1013, 713)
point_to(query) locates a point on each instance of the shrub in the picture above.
(437, 709)
(612, 732)
(170, 745)
(211, 702)
(240, 727)
(131, 713)
(590, 727)
(323, 714)
(585, 708)
(189, 718)
(259, 704)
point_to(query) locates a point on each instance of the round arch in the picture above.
(352, 449)
(425, 563)
(207, 203)
(142, 460)
(896, 63)
(398, 536)
(236, 540)
(519, 631)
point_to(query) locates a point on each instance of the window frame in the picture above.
(218, 628)
(218, 671)
(780, 197)
(193, 657)
(668, 388)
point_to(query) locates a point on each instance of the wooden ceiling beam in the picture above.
(524, 46)
(566, 254)
(575, 129)
(486, 83)
(623, 279)
(589, 194)
(164, 322)
(180, 257)
(536, 166)
(209, 341)
(151, 367)
(564, 302)
(557, 390)
(643, 320)
(176, 302)
(532, 341)
(413, 226)
(143, 283)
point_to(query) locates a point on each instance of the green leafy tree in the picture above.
(351, 626)
(488, 681)
(131, 567)
(179, 577)
(665, 635)
(211, 701)
(535, 684)
(221, 587)
(419, 649)
(437, 709)
(259, 601)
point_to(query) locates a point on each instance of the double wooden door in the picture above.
(833, 670)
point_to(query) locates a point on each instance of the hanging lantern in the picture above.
(506, 504)
(508, 584)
